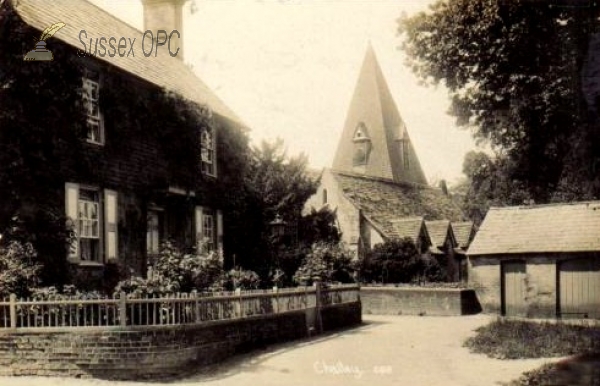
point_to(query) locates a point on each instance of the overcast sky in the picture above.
(288, 69)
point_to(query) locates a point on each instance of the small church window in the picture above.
(324, 196)
(362, 145)
(406, 154)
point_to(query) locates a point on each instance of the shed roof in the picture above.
(162, 70)
(545, 228)
(410, 227)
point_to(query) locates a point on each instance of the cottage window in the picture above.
(208, 230)
(92, 216)
(207, 153)
(89, 225)
(91, 95)
(153, 233)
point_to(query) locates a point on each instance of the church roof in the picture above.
(374, 123)
(384, 202)
(464, 232)
(162, 70)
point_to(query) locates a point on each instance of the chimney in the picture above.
(165, 15)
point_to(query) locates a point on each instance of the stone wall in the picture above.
(540, 283)
(418, 301)
(154, 352)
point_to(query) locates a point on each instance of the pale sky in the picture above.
(288, 69)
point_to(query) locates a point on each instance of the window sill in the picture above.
(94, 142)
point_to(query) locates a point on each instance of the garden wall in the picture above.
(152, 352)
(419, 301)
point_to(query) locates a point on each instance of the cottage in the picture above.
(443, 247)
(539, 261)
(134, 195)
(464, 232)
(376, 178)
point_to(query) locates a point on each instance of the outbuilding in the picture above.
(538, 261)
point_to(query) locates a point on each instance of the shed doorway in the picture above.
(579, 288)
(514, 289)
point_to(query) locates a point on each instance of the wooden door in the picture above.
(579, 288)
(514, 289)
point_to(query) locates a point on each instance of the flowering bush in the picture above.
(175, 271)
(328, 263)
(18, 270)
(243, 279)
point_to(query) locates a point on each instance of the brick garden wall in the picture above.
(418, 301)
(154, 352)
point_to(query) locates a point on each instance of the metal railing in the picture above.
(174, 309)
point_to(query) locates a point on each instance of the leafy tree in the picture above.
(517, 72)
(394, 261)
(275, 185)
(487, 183)
(328, 263)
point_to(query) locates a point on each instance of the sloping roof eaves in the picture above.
(382, 202)
(463, 232)
(438, 231)
(539, 229)
(162, 70)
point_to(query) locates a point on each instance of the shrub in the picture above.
(395, 261)
(243, 279)
(328, 263)
(18, 270)
(175, 271)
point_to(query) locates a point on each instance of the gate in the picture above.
(579, 288)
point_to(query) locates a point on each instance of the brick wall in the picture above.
(418, 301)
(154, 352)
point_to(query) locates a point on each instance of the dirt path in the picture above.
(387, 350)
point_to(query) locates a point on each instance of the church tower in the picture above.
(375, 142)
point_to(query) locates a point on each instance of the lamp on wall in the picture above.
(277, 226)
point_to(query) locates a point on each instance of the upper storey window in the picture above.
(207, 152)
(91, 96)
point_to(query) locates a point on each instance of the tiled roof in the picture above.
(163, 70)
(463, 232)
(546, 228)
(406, 227)
(438, 231)
(383, 202)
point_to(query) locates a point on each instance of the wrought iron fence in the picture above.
(173, 309)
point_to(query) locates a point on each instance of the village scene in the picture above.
(297, 192)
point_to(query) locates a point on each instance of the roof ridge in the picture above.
(546, 205)
(384, 180)
(113, 16)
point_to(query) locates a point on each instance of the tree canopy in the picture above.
(522, 75)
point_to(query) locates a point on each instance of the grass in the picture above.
(511, 339)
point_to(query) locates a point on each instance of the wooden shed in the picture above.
(539, 261)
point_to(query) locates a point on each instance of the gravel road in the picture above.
(386, 350)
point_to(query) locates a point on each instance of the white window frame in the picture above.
(86, 222)
(208, 230)
(91, 99)
(153, 232)
(207, 152)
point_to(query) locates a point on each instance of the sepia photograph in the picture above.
(300, 192)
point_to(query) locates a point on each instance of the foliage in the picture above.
(394, 261)
(328, 263)
(319, 226)
(275, 185)
(537, 110)
(175, 271)
(488, 184)
(583, 370)
(509, 339)
(242, 279)
(68, 292)
(18, 270)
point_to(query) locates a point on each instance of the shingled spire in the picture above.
(375, 142)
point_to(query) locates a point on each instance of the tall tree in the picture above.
(514, 70)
